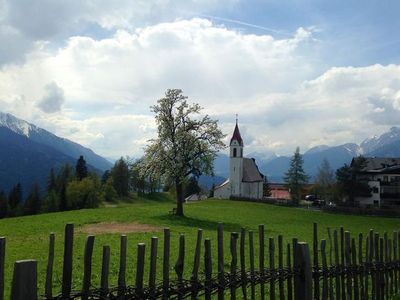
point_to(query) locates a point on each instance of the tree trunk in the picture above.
(179, 198)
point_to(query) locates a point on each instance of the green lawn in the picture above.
(27, 237)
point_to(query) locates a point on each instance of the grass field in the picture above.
(27, 237)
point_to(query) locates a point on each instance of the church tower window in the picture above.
(234, 152)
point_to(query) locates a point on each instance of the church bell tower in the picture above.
(236, 162)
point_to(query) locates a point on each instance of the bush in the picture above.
(83, 194)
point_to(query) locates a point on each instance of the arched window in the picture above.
(234, 152)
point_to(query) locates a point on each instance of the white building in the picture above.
(383, 177)
(245, 180)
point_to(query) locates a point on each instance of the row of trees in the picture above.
(71, 188)
(344, 184)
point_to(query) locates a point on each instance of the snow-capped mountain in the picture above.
(27, 153)
(45, 137)
(374, 143)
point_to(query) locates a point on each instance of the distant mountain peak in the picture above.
(42, 136)
(375, 142)
(16, 125)
(317, 149)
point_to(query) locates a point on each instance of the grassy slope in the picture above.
(27, 237)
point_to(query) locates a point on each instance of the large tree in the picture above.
(186, 145)
(325, 180)
(350, 186)
(120, 176)
(81, 168)
(295, 177)
(33, 203)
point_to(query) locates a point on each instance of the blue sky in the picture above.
(299, 73)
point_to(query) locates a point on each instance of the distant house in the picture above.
(245, 180)
(383, 177)
(279, 191)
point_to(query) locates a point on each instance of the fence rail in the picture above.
(358, 268)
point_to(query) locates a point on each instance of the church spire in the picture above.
(236, 134)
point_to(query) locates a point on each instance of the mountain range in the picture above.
(275, 167)
(27, 153)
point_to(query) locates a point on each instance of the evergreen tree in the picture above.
(349, 185)
(295, 177)
(62, 198)
(33, 202)
(15, 200)
(120, 177)
(81, 168)
(3, 205)
(51, 181)
(51, 202)
(106, 175)
(65, 175)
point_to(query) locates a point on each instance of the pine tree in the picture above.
(15, 200)
(3, 205)
(105, 177)
(295, 177)
(33, 203)
(348, 184)
(51, 181)
(81, 168)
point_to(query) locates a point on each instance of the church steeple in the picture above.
(236, 135)
(236, 143)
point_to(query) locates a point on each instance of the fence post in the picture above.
(303, 277)
(24, 284)
(2, 263)
(67, 264)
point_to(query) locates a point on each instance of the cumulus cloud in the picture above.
(53, 98)
(282, 96)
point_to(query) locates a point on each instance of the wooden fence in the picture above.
(359, 268)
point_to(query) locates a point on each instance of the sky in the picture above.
(297, 73)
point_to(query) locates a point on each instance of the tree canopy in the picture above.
(295, 177)
(186, 143)
(350, 186)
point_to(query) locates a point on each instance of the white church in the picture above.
(245, 180)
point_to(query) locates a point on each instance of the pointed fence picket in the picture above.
(356, 269)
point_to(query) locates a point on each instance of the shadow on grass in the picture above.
(158, 197)
(197, 223)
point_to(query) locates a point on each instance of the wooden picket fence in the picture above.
(359, 268)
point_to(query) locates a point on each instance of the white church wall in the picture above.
(223, 192)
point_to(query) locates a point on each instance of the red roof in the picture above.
(236, 136)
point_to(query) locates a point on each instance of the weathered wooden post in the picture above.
(67, 264)
(87, 266)
(49, 271)
(303, 278)
(24, 284)
(2, 261)
(220, 247)
(122, 267)
(140, 268)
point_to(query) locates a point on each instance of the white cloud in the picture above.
(282, 97)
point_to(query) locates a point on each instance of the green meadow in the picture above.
(27, 237)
